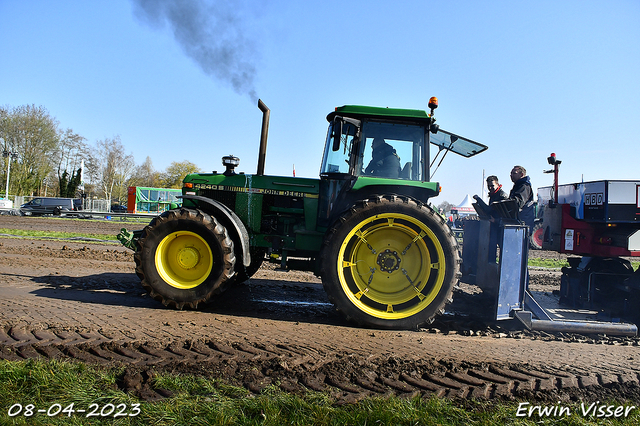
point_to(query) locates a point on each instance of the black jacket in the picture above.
(384, 162)
(522, 194)
(497, 196)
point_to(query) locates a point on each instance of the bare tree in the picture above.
(91, 174)
(175, 173)
(115, 168)
(32, 134)
(145, 175)
(72, 149)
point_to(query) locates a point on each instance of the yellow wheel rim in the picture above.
(184, 260)
(391, 266)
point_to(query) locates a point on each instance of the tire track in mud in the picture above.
(347, 377)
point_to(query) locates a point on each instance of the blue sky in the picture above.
(525, 78)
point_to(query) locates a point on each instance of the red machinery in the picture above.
(599, 221)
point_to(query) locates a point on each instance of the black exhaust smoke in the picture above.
(209, 32)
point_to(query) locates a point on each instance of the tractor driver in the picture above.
(384, 160)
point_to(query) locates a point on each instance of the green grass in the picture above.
(129, 223)
(557, 263)
(547, 263)
(55, 385)
(54, 235)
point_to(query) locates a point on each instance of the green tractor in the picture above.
(385, 257)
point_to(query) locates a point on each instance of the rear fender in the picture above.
(229, 219)
(348, 198)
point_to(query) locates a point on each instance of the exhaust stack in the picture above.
(263, 136)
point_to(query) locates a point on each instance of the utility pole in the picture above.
(10, 156)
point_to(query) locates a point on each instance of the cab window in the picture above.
(338, 161)
(392, 151)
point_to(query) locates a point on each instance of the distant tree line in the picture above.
(48, 160)
(445, 206)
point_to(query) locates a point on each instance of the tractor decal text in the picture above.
(254, 190)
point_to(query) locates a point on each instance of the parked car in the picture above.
(118, 208)
(48, 205)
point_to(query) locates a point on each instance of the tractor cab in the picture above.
(387, 143)
(373, 150)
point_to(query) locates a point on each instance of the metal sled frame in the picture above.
(512, 296)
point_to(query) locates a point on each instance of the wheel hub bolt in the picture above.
(388, 261)
(188, 257)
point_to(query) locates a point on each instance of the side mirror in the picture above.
(337, 133)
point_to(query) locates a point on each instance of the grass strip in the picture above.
(547, 263)
(557, 263)
(53, 386)
(54, 234)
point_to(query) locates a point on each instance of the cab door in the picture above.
(339, 164)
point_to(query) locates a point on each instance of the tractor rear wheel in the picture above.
(390, 264)
(185, 257)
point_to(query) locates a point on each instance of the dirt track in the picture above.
(82, 300)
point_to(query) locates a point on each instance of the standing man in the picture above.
(522, 194)
(495, 190)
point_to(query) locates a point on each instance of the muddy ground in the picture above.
(81, 299)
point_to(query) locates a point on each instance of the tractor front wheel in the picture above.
(390, 264)
(185, 257)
